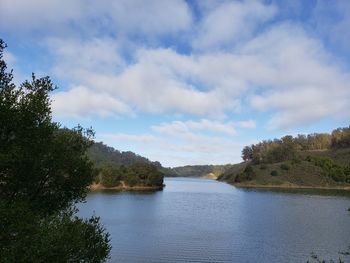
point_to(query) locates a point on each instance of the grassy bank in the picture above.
(312, 169)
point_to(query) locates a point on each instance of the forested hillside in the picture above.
(105, 156)
(124, 170)
(207, 171)
(314, 160)
(102, 154)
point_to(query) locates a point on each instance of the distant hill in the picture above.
(102, 154)
(315, 160)
(123, 170)
(204, 171)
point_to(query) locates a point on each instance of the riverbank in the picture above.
(124, 187)
(290, 186)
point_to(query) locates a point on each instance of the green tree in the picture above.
(341, 138)
(44, 171)
(111, 175)
(147, 174)
(247, 153)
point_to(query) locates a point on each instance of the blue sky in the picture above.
(186, 82)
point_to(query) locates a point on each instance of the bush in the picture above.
(263, 166)
(284, 166)
(111, 176)
(274, 173)
(155, 179)
(240, 178)
(141, 174)
(248, 171)
(247, 175)
(131, 180)
(296, 161)
(337, 172)
(96, 175)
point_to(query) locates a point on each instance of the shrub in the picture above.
(274, 173)
(111, 176)
(240, 178)
(131, 180)
(284, 166)
(337, 172)
(155, 179)
(246, 175)
(249, 170)
(296, 161)
(263, 166)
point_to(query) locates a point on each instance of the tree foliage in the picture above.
(102, 154)
(337, 172)
(44, 170)
(341, 138)
(248, 174)
(140, 174)
(287, 148)
(61, 237)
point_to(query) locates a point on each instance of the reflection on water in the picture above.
(199, 220)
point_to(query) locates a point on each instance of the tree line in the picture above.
(102, 154)
(137, 174)
(113, 167)
(287, 147)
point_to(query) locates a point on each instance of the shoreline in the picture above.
(291, 186)
(123, 187)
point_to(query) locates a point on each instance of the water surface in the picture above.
(199, 220)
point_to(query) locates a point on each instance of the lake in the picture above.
(199, 220)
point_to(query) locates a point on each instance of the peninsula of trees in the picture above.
(123, 170)
(318, 160)
(116, 169)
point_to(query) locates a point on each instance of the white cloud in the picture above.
(280, 70)
(9, 58)
(155, 88)
(141, 138)
(149, 17)
(249, 124)
(13, 63)
(156, 82)
(185, 127)
(304, 84)
(74, 57)
(127, 17)
(335, 27)
(36, 15)
(231, 21)
(82, 102)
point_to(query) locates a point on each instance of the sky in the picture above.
(186, 82)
